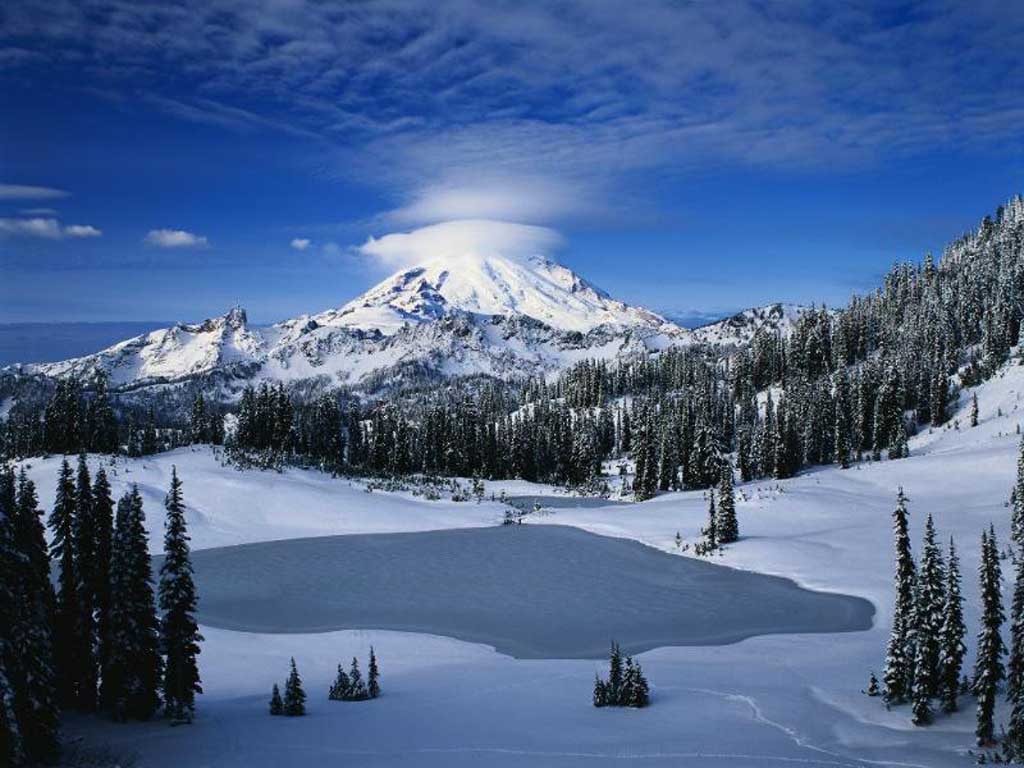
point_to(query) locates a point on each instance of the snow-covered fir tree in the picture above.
(727, 526)
(898, 657)
(67, 630)
(988, 667)
(179, 631)
(951, 656)
(132, 675)
(294, 704)
(928, 617)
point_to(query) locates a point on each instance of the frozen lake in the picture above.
(533, 591)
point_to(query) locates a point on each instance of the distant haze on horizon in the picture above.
(695, 159)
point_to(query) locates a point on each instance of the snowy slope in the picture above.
(771, 700)
(741, 327)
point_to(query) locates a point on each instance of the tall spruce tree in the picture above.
(131, 679)
(179, 631)
(898, 658)
(85, 562)
(928, 615)
(952, 635)
(728, 527)
(36, 699)
(373, 676)
(1017, 517)
(1015, 668)
(294, 696)
(12, 748)
(988, 667)
(67, 629)
(103, 520)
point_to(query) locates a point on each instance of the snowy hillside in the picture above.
(741, 327)
(784, 699)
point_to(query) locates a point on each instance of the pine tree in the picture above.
(276, 704)
(600, 698)
(710, 532)
(66, 621)
(36, 699)
(85, 560)
(873, 688)
(294, 696)
(898, 660)
(930, 597)
(341, 688)
(727, 527)
(974, 410)
(103, 519)
(988, 668)
(615, 672)
(952, 635)
(357, 688)
(373, 676)
(12, 748)
(1017, 518)
(131, 679)
(179, 632)
(1015, 667)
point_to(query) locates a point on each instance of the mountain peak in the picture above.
(492, 285)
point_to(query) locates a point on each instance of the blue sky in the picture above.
(167, 160)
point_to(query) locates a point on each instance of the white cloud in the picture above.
(23, 192)
(82, 230)
(38, 212)
(175, 238)
(301, 243)
(498, 198)
(453, 240)
(46, 228)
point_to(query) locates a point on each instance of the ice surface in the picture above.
(529, 591)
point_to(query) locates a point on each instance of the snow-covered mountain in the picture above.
(466, 315)
(452, 316)
(741, 327)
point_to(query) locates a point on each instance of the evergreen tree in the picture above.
(131, 678)
(341, 688)
(988, 668)
(294, 696)
(873, 688)
(34, 672)
(85, 560)
(928, 616)
(1015, 667)
(179, 632)
(276, 704)
(727, 526)
(898, 660)
(952, 636)
(710, 532)
(103, 520)
(600, 698)
(68, 634)
(373, 676)
(1017, 497)
(615, 673)
(357, 688)
(974, 410)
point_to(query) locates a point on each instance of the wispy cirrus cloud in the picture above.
(424, 100)
(26, 192)
(46, 228)
(174, 238)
